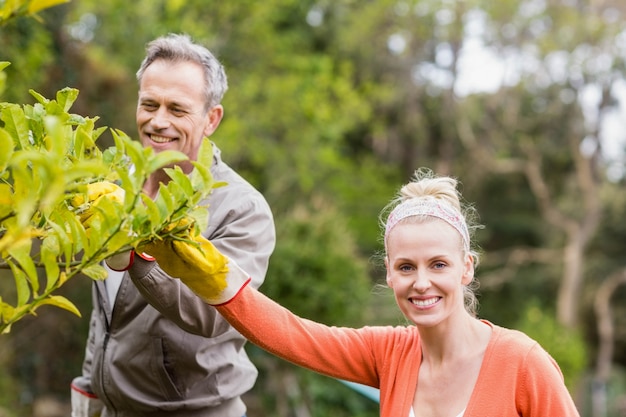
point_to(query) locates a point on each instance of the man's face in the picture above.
(171, 111)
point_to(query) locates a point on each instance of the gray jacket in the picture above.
(160, 350)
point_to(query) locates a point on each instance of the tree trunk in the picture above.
(571, 282)
(606, 335)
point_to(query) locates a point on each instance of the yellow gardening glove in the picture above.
(206, 271)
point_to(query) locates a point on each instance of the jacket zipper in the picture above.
(105, 343)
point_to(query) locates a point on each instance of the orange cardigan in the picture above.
(517, 377)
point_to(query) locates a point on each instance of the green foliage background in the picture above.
(328, 120)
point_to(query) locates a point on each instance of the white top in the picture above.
(112, 283)
(412, 413)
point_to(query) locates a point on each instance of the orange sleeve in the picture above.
(542, 389)
(337, 352)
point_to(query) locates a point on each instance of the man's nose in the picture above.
(160, 119)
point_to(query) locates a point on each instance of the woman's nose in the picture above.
(421, 282)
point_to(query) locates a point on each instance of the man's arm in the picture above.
(245, 233)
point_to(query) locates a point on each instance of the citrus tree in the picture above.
(51, 173)
(50, 168)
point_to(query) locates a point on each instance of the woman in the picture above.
(448, 364)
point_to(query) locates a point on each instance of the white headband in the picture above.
(429, 207)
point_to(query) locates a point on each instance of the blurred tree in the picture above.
(340, 101)
(537, 135)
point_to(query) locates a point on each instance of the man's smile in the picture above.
(160, 139)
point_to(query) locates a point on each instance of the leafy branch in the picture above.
(10, 9)
(48, 156)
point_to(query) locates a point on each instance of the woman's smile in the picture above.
(425, 302)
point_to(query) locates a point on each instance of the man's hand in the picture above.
(205, 270)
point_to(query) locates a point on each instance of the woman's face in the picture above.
(427, 269)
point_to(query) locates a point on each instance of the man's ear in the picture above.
(214, 117)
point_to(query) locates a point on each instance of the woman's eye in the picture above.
(439, 265)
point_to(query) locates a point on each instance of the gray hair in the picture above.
(180, 48)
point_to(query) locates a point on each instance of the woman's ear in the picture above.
(388, 275)
(468, 270)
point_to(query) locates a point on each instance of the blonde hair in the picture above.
(427, 197)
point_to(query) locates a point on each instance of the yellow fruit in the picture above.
(96, 190)
(95, 193)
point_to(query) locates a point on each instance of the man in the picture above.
(154, 348)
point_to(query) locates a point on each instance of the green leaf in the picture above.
(75, 119)
(165, 200)
(16, 125)
(165, 158)
(4, 64)
(6, 148)
(50, 249)
(133, 150)
(35, 115)
(205, 153)
(109, 210)
(21, 254)
(6, 311)
(76, 233)
(120, 242)
(97, 132)
(95, 238)
(67, 96)
(3, 82)
(181, 179)
(57, 141)
(201, 177)
(85, 169)
(21, 283)
(95, 271)
(24, 195)
(51, 243)
(65, 242)
(62, 302)
(201, 217)
(152, 209)
(53, 108)
(40, 98)
(132, 186)
(84, 141)
(6, 200)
